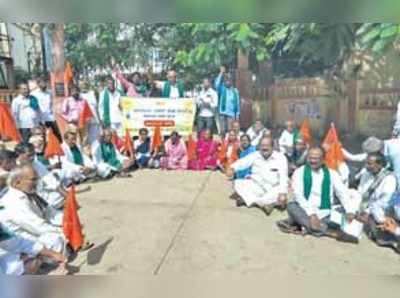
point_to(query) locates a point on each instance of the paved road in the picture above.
(183, 222)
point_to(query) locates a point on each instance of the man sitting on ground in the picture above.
(299, 155)
(376, 190)
(256, 132)
(106, 155)
(314, 188)
(142, 148)
(77, 165)
(20, 256)
(267, 186)
(25, 214)
(50, 184)
(286, 141)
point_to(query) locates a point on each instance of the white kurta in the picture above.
(269, 178)
(254, 136)
(48, 185)
(209, 97)
(24, 115)
(312, 204)
(23, 218)
(98, 158)
(115, 111)
(286, 141)
(74, 171)
(46, 105)
(379, 201)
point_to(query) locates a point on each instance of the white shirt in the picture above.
(286, 141)
(312, 205)
(115, 111)
(266, 173)
(209, 97)
(392, 152)
(22, 217)
(254, 136)
(380, 199)
(46, 104)
(362, 157)
(24, 115)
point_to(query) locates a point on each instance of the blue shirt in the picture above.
(246, 172)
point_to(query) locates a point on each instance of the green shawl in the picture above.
(43, 159)
(110, 156)
(326, 186)
(33, 103)
(167, 89)
(77, 156)
(4, 235)
(106, 109)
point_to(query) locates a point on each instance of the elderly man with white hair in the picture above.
(25, 214)
(50, 184)
(286, 140)
(171, 88)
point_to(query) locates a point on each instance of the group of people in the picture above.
(320, 200)
(287, 173)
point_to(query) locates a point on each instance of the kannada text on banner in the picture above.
(171, 114)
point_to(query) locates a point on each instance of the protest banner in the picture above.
(171, 114)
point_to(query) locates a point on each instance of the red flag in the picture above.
(334, 155)
(8, 129)
(53, 146)
(71, 224)
(85, 115)
(157, 139)
(191, 148)
(128, 144)
(305, 131)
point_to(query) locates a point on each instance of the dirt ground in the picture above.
(165, 223)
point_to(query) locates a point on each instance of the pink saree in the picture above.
(176, 156)
(207, 156)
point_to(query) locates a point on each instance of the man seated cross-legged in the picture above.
(314, 188)
(267, 186)
(106, 155)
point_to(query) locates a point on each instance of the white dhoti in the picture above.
(103, 169)
(53, 241)
(253, 194)
(11, 264)
(10, 254)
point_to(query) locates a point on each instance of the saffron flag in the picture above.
(71, 224)
(305, 131)
(8, 128)
(157, 139)
(68, 77)
(85, 115)
(334, 155)
(128, 144)
(53, 146)
(191, 148)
